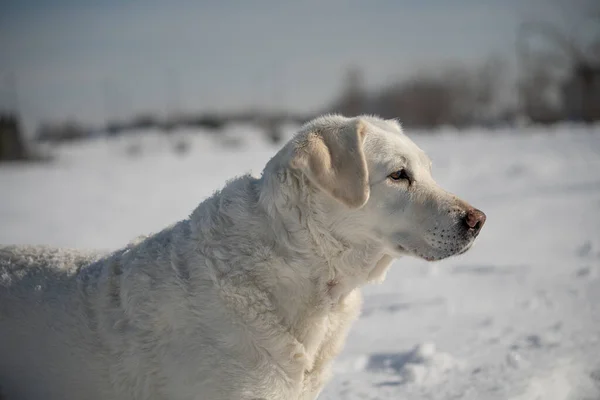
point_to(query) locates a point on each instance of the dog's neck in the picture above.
(327, 264)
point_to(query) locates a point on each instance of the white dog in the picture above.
(249, 298)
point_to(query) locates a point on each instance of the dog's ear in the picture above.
(334, 160)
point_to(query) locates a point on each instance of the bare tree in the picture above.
(352, 100)
(12, 143)
(561, 80)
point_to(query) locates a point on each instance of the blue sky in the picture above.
(90, 59)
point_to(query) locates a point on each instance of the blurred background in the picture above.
(74, 69)
(117, 118)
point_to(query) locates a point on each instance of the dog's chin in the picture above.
(436, 256)
(444, 256)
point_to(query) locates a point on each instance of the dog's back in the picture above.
(39, 293)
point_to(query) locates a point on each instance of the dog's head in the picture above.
(374, 183)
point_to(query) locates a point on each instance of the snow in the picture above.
(517, 317)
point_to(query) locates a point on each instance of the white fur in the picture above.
(249, 298)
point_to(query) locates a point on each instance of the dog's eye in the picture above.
(399, 175)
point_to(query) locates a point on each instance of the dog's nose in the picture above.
(475, 219)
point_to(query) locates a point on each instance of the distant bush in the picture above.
(62, 132)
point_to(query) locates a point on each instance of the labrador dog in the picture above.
(251, 297)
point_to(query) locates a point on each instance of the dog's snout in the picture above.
(475, 219)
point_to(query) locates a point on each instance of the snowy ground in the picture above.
(516, 318)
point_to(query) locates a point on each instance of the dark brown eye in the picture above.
(399, 175)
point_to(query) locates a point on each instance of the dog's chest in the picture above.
(325, 332)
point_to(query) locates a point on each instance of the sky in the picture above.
(93, 60)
